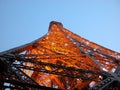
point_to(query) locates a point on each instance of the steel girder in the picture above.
(59, 60)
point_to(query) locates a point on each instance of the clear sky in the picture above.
(22, 21)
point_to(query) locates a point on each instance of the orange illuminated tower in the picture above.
(60, 60)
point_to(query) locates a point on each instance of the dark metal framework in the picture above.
(13, 63)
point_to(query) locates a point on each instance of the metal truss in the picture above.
(59, 60)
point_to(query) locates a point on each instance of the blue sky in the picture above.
(22, 21)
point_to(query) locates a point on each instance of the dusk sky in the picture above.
(22, 21)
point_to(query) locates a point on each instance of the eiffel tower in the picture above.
(60, 60)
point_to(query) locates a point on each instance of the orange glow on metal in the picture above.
(57, 47)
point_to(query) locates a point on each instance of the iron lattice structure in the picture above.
(60, 60)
